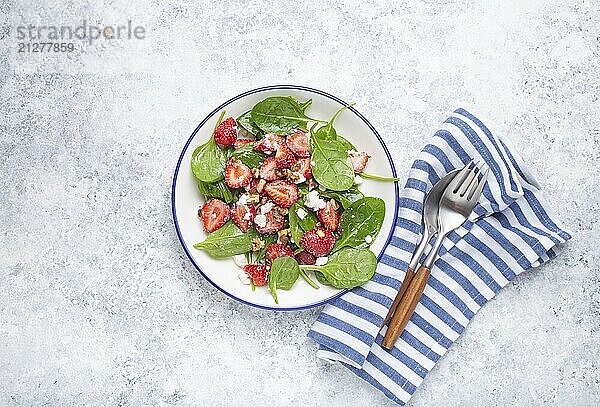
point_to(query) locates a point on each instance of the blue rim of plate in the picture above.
(221, 107)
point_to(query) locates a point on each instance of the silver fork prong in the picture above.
(476, 193)
(466, 185)
(458, 179)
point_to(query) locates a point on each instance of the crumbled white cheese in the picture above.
(301, 178)
(322, 188)
(313, 201)
(312, 163)
(260, 220)
(368, 239)
(244, 278)
(358, 180)
(301, 213)
(321, 261)
(266, 208)
(240, 260)
(244, 199)
(247, 215)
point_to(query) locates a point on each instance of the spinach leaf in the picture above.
(208, 160)
(348, 146)
(246, 123)
(218, 190)
(346, 198)
(361, 219)
(283, 274)
(252, 158)
(305, 105)
(280, 114)
(260, 254)
(321, 278)
(332, 167)
(327, 132)
(298, 225)
(227, 241)
(378, 177)
(347, 268)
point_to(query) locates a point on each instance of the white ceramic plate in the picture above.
(186, 199)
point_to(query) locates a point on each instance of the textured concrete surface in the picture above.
(100, 306)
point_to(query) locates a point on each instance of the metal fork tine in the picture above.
(476, 193)
(458, 179)
(464, 187)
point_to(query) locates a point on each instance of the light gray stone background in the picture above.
(100, 306)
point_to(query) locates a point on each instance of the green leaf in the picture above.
(361, 219)
(304, 105)
(252, 158)
(332, 167)
(346, 198)
(348, 146)
(321, 278)
(378, 177)
(283, 274)
(280, 115)
(246, 123)
(297, 225)
(347, 268)
(328, 132)
(208, 160)
(217, 190)
(226, 241)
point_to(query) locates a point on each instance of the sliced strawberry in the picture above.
(269, 143)
(214, 214)
(318, 241)
(329, 216)
(267, 169)
(243, 215)
(302, 166)
(282, 192)
(237, 174)
(252, 185)
(269, 223)
(277, 250)
(258, 273)
(305, 257)
(226, 132)
(298, 143)
(359, 160)
(241, 142)
(284, 157)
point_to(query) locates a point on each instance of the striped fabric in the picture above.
(511, 230)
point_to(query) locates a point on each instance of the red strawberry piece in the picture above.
(277, 250)
(267, 169)
(318, 241)
(282, 192)
(305, 257)
(214, 214)
(226, 132)
(237, 174)
(243, 215)
(252, 185)
(269, 223)
(241, 142)
(329, 216)
(258, 273)
(302, 166)
(269, 143)
(284, 157)
(298, 143)
(359, 160)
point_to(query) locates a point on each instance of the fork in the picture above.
(456, 204)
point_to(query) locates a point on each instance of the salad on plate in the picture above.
(282, 198)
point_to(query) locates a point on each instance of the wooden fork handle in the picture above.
(407, 279)
(406, 307)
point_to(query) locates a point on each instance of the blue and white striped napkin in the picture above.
(510, 231)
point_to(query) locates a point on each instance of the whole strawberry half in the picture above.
(237, 174)
(329, 216)
(282, 192)
(359, 160)
(269, 143)
(226, 132)
(318, 241)
(269, 223)
(305, 257)
(267, 169)
(302, 166)
(241, 142)
(243, 215)
(277, 250)
(298, 143)
(258, 273)
(214, 214)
